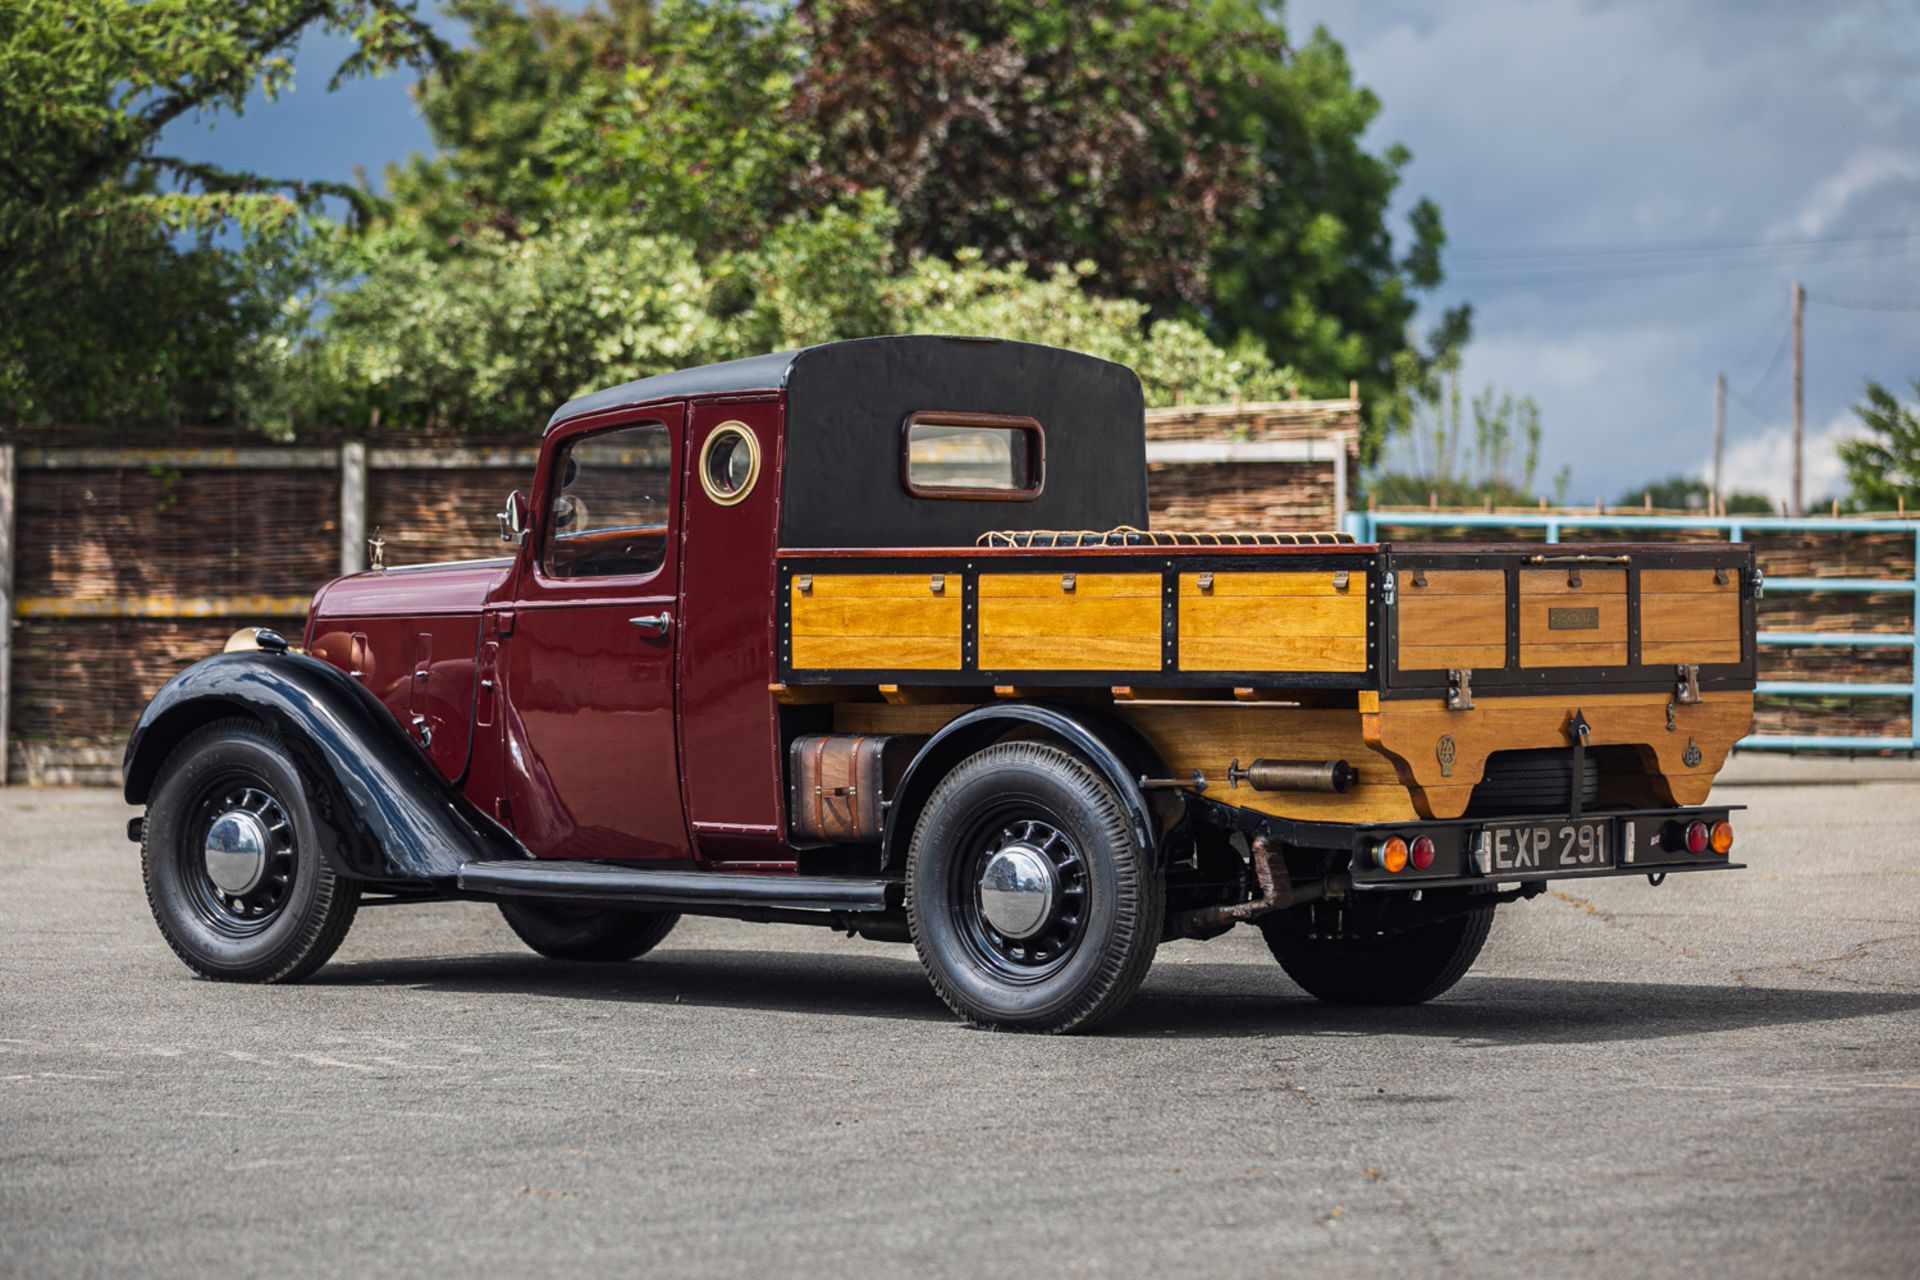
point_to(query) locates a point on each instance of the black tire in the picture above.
(587, 933)
(1102, 922)
(290, 922)
(1402, 968)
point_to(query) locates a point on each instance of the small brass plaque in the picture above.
(1573, 619)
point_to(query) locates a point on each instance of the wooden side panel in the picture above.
(876, 621)
(1034, 622)
(1272, 622)
(1686, 616)
(1452, 618)
(1209, 738)
(1562, 625)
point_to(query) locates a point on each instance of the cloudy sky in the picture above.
(1629, 188)
(1553, 132)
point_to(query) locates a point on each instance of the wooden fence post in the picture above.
(353, 506)
(7, 474)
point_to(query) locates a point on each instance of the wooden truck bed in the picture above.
(1413, 663)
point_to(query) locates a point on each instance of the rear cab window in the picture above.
(973, 455)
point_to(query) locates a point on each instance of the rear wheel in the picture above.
(1401, 968)
(232, 861)
(587, 933)
(1031, 902)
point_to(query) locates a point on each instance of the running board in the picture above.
(686, 890)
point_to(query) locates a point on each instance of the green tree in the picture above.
(621, 191)
(1207, 165)
(1690, 493)
(134, 285)
(1883, 466)
(1204, 167)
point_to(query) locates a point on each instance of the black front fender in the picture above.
(383, 811)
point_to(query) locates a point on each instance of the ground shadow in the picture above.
(1201, 1001)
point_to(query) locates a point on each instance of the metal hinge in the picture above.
(1688, 683)
(937, 583)
(1459, 689)
(1066, 582)
(803, 583)
(1340, 580)
(1205, 582)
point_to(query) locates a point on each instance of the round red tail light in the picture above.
(1392, 855)
(1722, 839)
(1697, 837)
(1420, 853)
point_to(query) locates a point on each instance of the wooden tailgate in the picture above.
(1573, 617)
(1451, 619)
(1689, 616)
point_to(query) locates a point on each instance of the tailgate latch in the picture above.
(1580, 731)
(1687, 684)
(1459, 689)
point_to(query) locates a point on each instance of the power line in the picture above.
(1759, 415)
(1576, 273)
(1865, 304)
(1786, 337)
(1680, 246)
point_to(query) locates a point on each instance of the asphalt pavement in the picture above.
(1720, 1075)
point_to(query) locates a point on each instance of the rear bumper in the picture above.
(1642, 842)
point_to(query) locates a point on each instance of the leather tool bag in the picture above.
(839, 783)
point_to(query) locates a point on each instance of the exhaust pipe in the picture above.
(1277, 893)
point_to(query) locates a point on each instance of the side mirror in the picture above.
(513, 518)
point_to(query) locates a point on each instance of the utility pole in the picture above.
(1799, 375)
(1719, 437)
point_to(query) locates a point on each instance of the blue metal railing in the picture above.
(1365, 526)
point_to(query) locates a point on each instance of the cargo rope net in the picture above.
(1127, 536)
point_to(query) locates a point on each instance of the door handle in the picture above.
(655, 623)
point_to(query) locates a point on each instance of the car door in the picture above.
(587, 667)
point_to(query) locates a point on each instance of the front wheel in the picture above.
(1030, 900)
(1401, 968)
(232, 861)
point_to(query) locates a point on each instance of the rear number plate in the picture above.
(1545, 846)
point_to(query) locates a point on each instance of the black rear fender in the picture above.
(1107, 743)
(383, 810)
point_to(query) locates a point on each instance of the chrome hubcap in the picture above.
(236, 851)
(1018, 891)
(245, 854)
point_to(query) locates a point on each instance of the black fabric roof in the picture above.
(754, 373)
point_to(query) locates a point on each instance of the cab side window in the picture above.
(611, 505)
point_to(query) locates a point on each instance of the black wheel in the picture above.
(232, 862)
(1401, 968)
(587, 933)
(1030, 900)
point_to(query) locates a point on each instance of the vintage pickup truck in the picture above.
(872, 635)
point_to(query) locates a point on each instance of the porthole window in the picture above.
(729, 463)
